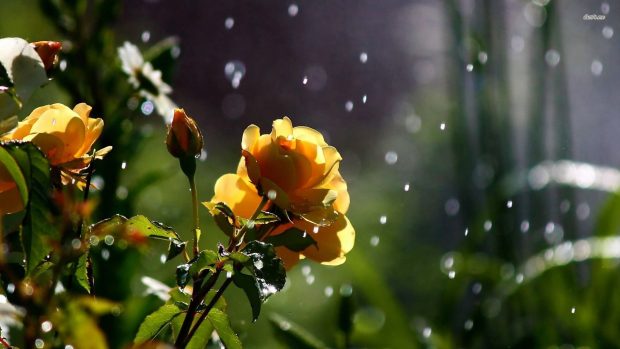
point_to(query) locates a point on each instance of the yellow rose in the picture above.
(64, 135)
(296, 169)
(10, 199)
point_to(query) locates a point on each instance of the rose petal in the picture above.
(238, 193)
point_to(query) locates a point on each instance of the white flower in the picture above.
(147, 79)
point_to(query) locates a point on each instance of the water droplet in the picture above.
(234, 71)
(348, 106)
(147, 107)
(272, 194)
(310, 279)
(608, 32)
(374, 241)
(363, 57)
(572, 310)
(122, 193)
(229, 23)
(62, 65)
(10, 288)
(426, 332)
(175, 52)
(93, 240)
(442, 126)
(46, 326)
(564, 206)
(552, 57)
(98, 182)
(54, 122)
(346, 290)
(285, 325)
(306, 270)
(317, 77)
(68, 346)
(383, 219)
(413, 123)
(596, 67)
(406, 187)
(476, 288)
(469, 324)
(258, 264)
(391, 157)
(293, 10)
(109, 240)
(369, 319)
(163, 258)
(229, 274)
(452, 206)
(105, 254)
(305, 80)
(123, 165)
(525, 226)
(487, 225)
(469, 67)
(203, 155)
(364, 99)
(451, 274)
(483, 57)
(605, 8)
(583, 211)
(509, 204)
(146, 36)
(519, 278)
(329, 291)
(535, 14)
(39, 343)
(553, 233)
(76, 244)
(466, 231)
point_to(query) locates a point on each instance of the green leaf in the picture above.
(205, 260)
(136, 229)
(201, 336)
(221, 323)
(38, 230)
(77, 327)
(15, 172)
(293, 335)
(294, 239)
(264, 217)
(23, 66)
(156, 322)
(249, 285)
(182, 274)
(219, 304)
(81, 274)
(266, 267)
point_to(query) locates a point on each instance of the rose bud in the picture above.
(48, 51)
(184, 137)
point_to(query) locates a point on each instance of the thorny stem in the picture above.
(196, 230)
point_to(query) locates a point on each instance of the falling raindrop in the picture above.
(517, 43)
(469, 67)
(535, 14)
(68, 346)
(525, 226)
(346, 290)
(572, 310)
(229, 23)
(293, 10)
(426, 332)
(466, 231)
(146, 36)
(564, 206)
(229, 274)
(39, 343)
(583, 211)
(552, 57)
(10, 288)
(383, 219)
(123, 165)
(476, 288)
(413, 123)
(305, 80)
(509, 204)
(93, 240)
(162, 258)
(306, 270)
(121, 192)
(272, 194)
(374, 241)
(519, 278)
(391, 157)
(363, 57)
(605, 8)
(442, 126)
(310, 279)
(596, 67)
(105, 254)
(315, 229)
(234, 71)
(452, 206)
(364, 98)
(469, 324)
(348, 106)
(451, 274)
(483, 57)
(109, 240)
(46, 326)
(487, 225)
(62, 65)
(147, 107)
(329, 291)
(76, 244)
(608, 32)
(203, 155)
(406, 187)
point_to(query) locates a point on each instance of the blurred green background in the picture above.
(479, 141)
